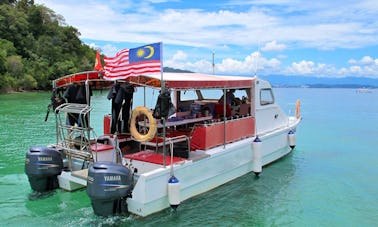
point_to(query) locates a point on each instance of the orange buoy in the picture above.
(152, 124)
(297, 109)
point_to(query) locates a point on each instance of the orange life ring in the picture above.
(297, 108)
(152, 124)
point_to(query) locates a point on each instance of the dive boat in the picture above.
(363, 90)
(151, 158)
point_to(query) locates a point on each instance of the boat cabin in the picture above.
(202, 117)
(197, 117)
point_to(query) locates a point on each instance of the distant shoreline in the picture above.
(22, 91)
(351, 86)
(326, 86)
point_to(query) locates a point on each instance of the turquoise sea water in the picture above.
(331, 178)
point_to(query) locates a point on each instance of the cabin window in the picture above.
(212, 94)
(188, 95)
(266, 96)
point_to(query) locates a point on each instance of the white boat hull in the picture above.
(221, 166)
(70, 183)
(211, 169)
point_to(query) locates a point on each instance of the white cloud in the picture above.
(355, 69)
(302, 68)
(323, 25)
(251, 64)
(343, 71)
(311, 68)
(314, 25)
(180, 56)
(352, 61)
(93, 45)
(255, 63)
(110, 50)
(366, 66)
(367, 60)
(273, 46)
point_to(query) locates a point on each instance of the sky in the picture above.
(321, 38)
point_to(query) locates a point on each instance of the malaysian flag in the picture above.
(136, 61)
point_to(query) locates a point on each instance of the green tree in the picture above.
(36, 46)
(13, 27)
(15, 66)
(7, 2)
(27, 82)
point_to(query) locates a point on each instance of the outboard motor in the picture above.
(108, 186)
(42, 166)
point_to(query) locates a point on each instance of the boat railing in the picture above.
(74, 140)
(74, 108)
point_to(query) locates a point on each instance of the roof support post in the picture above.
(224, 117)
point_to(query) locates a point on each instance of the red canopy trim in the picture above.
(77, 78)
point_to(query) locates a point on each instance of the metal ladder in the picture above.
(74, 140)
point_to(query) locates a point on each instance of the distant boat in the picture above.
(363, 90)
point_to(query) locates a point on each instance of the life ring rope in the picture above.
(298, 109)
(141, 110)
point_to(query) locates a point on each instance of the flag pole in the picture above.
(213, 63)
(161, 66)
(162, 84)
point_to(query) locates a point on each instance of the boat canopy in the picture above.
(193, 81)
(172, 80)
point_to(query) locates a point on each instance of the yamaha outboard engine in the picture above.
(108, 186)
(42, 166)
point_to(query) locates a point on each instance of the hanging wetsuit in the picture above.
(70, 94)
(163, 105)
(121, 96)
(81, 97)
(126, 93)
(115, 108)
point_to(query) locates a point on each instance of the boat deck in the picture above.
(152, 157)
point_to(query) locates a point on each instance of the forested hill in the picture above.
(36, 46)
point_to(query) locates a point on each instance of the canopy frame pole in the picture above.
(224, 117)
